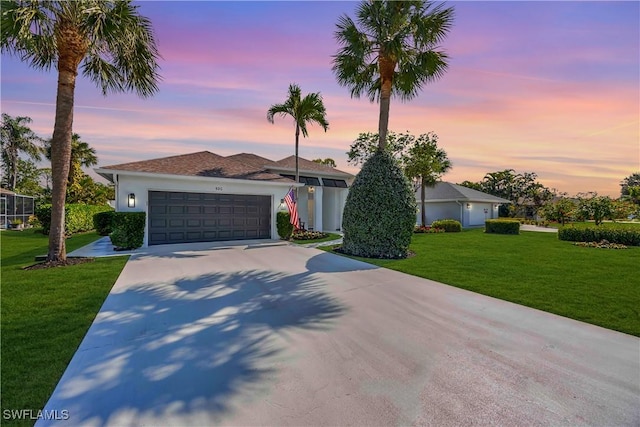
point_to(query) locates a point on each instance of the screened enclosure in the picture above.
(15, 209)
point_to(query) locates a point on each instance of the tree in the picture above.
(17, 138)
(393, 49)
(309, 109)
(473, 185)
(328, 161)
(366, 145)
(28, 179)
(632, 180)
(592, 206)
(561, 210)
(109, 41)
(82, 155)
(426, 163)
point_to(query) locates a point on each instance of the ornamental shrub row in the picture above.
(128, 230)
(448, 225)
(77, 217)
(623, 236)
(502, 226)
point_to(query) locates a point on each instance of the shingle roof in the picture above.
(289, 163)
(5, 191)
(203, 163)
(448, 191)
(252, 160)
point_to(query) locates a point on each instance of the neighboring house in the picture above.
(15, 207)
(451, 201)
(203, 197)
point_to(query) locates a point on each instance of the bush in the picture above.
(128, 229)
(427, 229)
(502, 226)
(285, 228)
(380, 211)
(77, 217)
(102, 222)
(308, 235)
(623, 236)
(448, 225)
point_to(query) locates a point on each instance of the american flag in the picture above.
(290, 200)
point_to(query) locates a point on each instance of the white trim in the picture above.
(196, 178)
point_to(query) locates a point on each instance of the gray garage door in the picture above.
(176, 217)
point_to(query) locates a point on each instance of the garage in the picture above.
(184, 217)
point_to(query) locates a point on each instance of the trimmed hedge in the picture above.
(380, 211)
(128, 229)
(102, 222)
(502, 226)
(448, 225)
(622, 236)
(77, 217)
(285, 228)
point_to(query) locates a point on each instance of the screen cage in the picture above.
(15, 209)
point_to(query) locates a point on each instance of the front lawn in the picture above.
(598, 286)
(45, 314)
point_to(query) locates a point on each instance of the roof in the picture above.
(203, 163)
(446, 191)
(289, 163)
(5, 191)
(252, 160)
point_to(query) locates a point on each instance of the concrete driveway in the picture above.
(275, 334)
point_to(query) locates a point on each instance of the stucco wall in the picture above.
(141, 185)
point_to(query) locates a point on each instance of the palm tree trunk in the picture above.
(14, 172)
(387, 68)
(60, 155)
(297, 169)
(422, 197)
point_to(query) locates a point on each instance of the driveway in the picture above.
(280, 335)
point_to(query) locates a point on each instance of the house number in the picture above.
(218, 188)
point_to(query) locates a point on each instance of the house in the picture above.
(451, 201)
(201, 197)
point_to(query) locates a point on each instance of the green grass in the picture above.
(598, 286)
(330, 237)
(45, 315)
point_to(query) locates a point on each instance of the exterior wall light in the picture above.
(468, 205)
(131, 200)
(495, 206)
(311, 189)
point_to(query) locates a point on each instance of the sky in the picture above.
(545, 87)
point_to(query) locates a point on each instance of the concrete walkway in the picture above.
(269, 333)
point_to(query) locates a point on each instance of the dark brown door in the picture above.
(178, 217)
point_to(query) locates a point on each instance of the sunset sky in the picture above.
(545, 87)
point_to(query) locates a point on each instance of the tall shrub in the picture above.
(380, 211)
(128, 229)
(77, 217)
(285, 228)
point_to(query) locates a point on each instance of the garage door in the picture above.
(176, 217)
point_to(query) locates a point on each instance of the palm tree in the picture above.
(426, 163)
(309, 109)
(17, 138)
(392, 50)
(109, 41)
(82, 155)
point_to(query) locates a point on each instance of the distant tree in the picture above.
(560, 210)
(28, 176)
(82, 155)
(366, 145)
(328, 161)
(108, 41)
(592, 206)
(473, 185)
(90, 192)
(425, 163)
(632, 180)
(17, 138)
(309, 109)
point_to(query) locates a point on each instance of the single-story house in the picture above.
(451, 201)
(201, 197)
